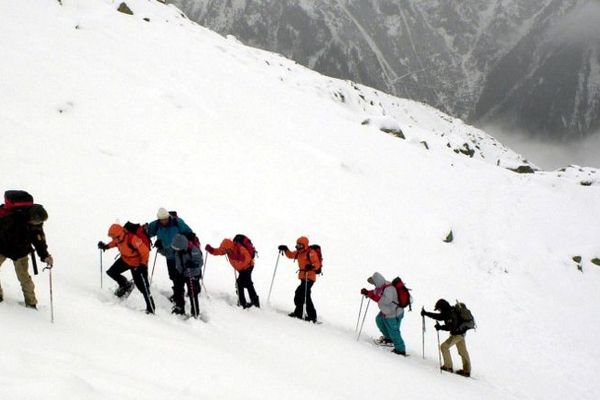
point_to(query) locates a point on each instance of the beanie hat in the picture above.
(180, 242)
(162, 213)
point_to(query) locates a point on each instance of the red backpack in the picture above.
(404, 298)
(140, 231)
(317, 249)
(245, 242)
(15, 200)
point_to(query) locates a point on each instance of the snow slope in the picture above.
(107, 116)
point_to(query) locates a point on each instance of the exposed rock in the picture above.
(124, 8)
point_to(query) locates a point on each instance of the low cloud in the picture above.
(550, 155)
(582, 24)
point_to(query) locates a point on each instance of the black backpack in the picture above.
(466, 319)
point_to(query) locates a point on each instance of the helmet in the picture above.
(441, 305)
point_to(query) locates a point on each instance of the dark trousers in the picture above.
(193, 287)
(140, 278)
(305, 289)
(244, 281)
(180, 283)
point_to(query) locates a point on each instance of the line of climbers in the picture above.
(21, 228)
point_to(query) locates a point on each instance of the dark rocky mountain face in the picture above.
(532, 65)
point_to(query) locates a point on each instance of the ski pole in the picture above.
(49, 268)
(153, 265)
(362, 300)
(423, 331)
(273, 279)
(101, 269)
(439, 350)
(363, 321)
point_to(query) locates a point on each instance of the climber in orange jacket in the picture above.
(243, 262)
(308, 263)
(134, 257)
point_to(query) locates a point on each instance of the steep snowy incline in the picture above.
(109, 116)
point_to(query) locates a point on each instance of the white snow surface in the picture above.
(106, 116)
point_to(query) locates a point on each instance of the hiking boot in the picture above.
(308, 319)
(177, 310)
(382, 340)
(256, 303)
(124, 291)
(464, 373)
(401, 353)
(294, 315)
(32, 306)
(1, 298)
(447, 369)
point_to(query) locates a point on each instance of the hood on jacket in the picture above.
(303, 240)
(227, 244)
(180, 242)
(377, 279)
(116, 232)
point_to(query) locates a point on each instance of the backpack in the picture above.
(193, 240)
(140, 231)
(246, 243)
(15, 200)
(466, 317)
(317, 249)
(404, 297)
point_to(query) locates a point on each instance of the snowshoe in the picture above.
(177, 310)
(383, 341)
(124, 291)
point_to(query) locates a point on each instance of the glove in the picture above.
(437, 326)
(309, 267)
(283, 247)
(102, 246)
(158, 244)
(364, 291)
(422, 312)
(50, 261)
(209, 248)
(142, 266)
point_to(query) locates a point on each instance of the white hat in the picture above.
(162, 213)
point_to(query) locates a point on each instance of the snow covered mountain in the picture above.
(532, 65)
(106, 116)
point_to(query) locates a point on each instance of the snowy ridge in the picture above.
(108, 116)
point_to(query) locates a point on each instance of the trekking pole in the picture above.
(363, 321)
(193, 299)
(304, 315)
(362, 300)
(423, 331)
(153, 265)
(273, 279)
(204, 266)
(101, 268)
(51, 296)
(439, 351)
